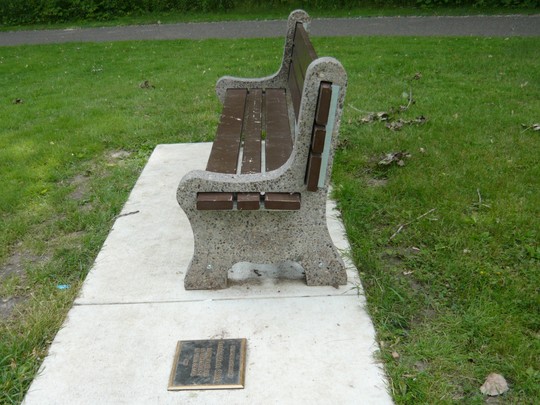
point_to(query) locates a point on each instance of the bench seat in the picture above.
(254, 135)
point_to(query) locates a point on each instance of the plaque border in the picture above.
(241, 370)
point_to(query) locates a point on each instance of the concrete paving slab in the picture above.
(305, 350)
(305, 345)
(147, 252)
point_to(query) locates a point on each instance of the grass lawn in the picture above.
(447, 242)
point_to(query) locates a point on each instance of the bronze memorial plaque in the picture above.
(208, 365)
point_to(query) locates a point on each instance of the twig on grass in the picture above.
(359, 110)
(479, 197)
(390, 116)
(480, 204)
(405, 108)
(401, 227)
(126, 214)
(534, 127)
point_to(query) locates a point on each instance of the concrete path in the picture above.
(491, 26)
(305, 345)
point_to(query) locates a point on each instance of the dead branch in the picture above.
(401, 227)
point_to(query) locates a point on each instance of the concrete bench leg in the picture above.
(325, 267)
(202, 275)
(225, 238)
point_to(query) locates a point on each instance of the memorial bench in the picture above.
(262, 197)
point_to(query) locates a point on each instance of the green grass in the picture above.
(269, 13)
(454, 293)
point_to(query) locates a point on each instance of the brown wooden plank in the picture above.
(248, 201)
(323, 103)
(299, 75)
(282, 201)
(251, 159)
(303, 51)
(317, 141)
(278, 130)
(214, 201)
(226, 147)
(313, 171)
(302, 55)
(296, 93)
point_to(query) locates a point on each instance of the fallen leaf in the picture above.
(146, 85)
(395, 355)
(494, 385)
(420, 120)
(395, 125)
(368, 118)
(18, 101)
(417, 76)
(372, 117)
(394, 157)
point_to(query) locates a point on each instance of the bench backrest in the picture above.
(303, 54)
(315, 87)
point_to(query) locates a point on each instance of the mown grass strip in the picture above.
(454, 293)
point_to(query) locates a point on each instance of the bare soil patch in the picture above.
(7, 306)
(372, 182)
(82, 187)
(15, 264)
(118, 155)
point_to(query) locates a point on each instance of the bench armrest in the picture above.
(275, 81)
(202, 181)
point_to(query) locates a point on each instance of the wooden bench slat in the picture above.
(317, 142)
(224, 154)
(303, 54)
(215, 201)
(323, 103)
(296, 69)
(251, 159)
(295, 91)
(303, 51)
(313, 171)
(248, 201)
(279, 142)
(282, 201)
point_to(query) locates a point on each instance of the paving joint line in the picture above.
(97, 304)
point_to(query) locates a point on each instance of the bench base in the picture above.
(264, 237)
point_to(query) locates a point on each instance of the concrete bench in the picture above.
(262, 197)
